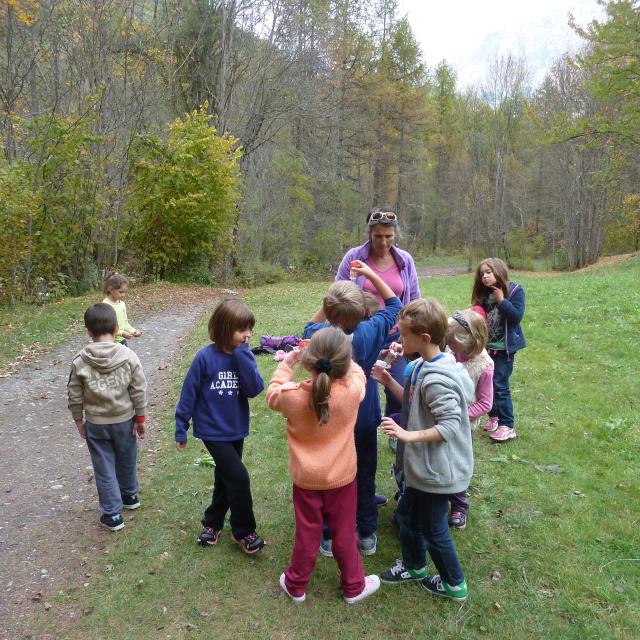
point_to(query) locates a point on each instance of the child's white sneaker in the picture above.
(283, 586)
(371, 585)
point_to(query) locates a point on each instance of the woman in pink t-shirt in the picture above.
(395, 266)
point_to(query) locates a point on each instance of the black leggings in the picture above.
(231, 490)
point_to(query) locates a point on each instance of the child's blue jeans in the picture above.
(423, 527)
(502, 405)
(113, 449)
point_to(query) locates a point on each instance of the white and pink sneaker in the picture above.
(492, 425)
(503, 433)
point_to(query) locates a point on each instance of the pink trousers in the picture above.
(338, 508)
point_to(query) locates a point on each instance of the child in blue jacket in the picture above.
(346, 306)
(504, 303)
(214, 397)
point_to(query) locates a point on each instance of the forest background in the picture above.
(244, 141)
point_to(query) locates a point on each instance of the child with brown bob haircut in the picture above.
(214, 396)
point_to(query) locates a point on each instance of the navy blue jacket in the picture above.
(215, 394)
(368, 338)
(512, 310)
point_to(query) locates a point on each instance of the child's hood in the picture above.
(447, 371)
(105, 356)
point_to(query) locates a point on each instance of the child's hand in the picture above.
(136, 334)
(81, 426)
(292, 357)
(392, 428)
(139, 429)
(181, 445)
(381, 375)
(363, 269)
(498, 294)
(398, 348)
(127, 335)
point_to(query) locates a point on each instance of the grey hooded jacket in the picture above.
(441, 394)
(107, 383)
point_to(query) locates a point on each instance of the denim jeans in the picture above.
(502, 405)
(414, 548)
(426, 516)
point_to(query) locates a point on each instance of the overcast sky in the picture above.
(468, 33)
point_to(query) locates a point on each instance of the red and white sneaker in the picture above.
(492, 425)
(503, 433)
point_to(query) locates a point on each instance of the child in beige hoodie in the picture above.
(107, 399)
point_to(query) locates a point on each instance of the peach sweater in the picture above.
(320, 456)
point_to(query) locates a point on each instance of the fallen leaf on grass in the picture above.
(497, 606)
(579, 494)
(548, 468)
(206, 461)
(550, 593)
(495, 575)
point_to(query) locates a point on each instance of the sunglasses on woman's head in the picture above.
(380, 216)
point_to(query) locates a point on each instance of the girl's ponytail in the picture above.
(328, 354)
(320, 397)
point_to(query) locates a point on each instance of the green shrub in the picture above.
(256, 272)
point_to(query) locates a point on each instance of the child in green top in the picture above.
(115, 286)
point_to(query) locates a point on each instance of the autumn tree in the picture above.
(182, 197)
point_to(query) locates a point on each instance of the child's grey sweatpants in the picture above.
(113, 449)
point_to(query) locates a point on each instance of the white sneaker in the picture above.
(371, 585)
(283, 586)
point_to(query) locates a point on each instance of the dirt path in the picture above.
(48, 501)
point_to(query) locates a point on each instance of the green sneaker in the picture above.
(439, 587)
(398, 574)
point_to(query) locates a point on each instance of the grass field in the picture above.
(552, 548)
